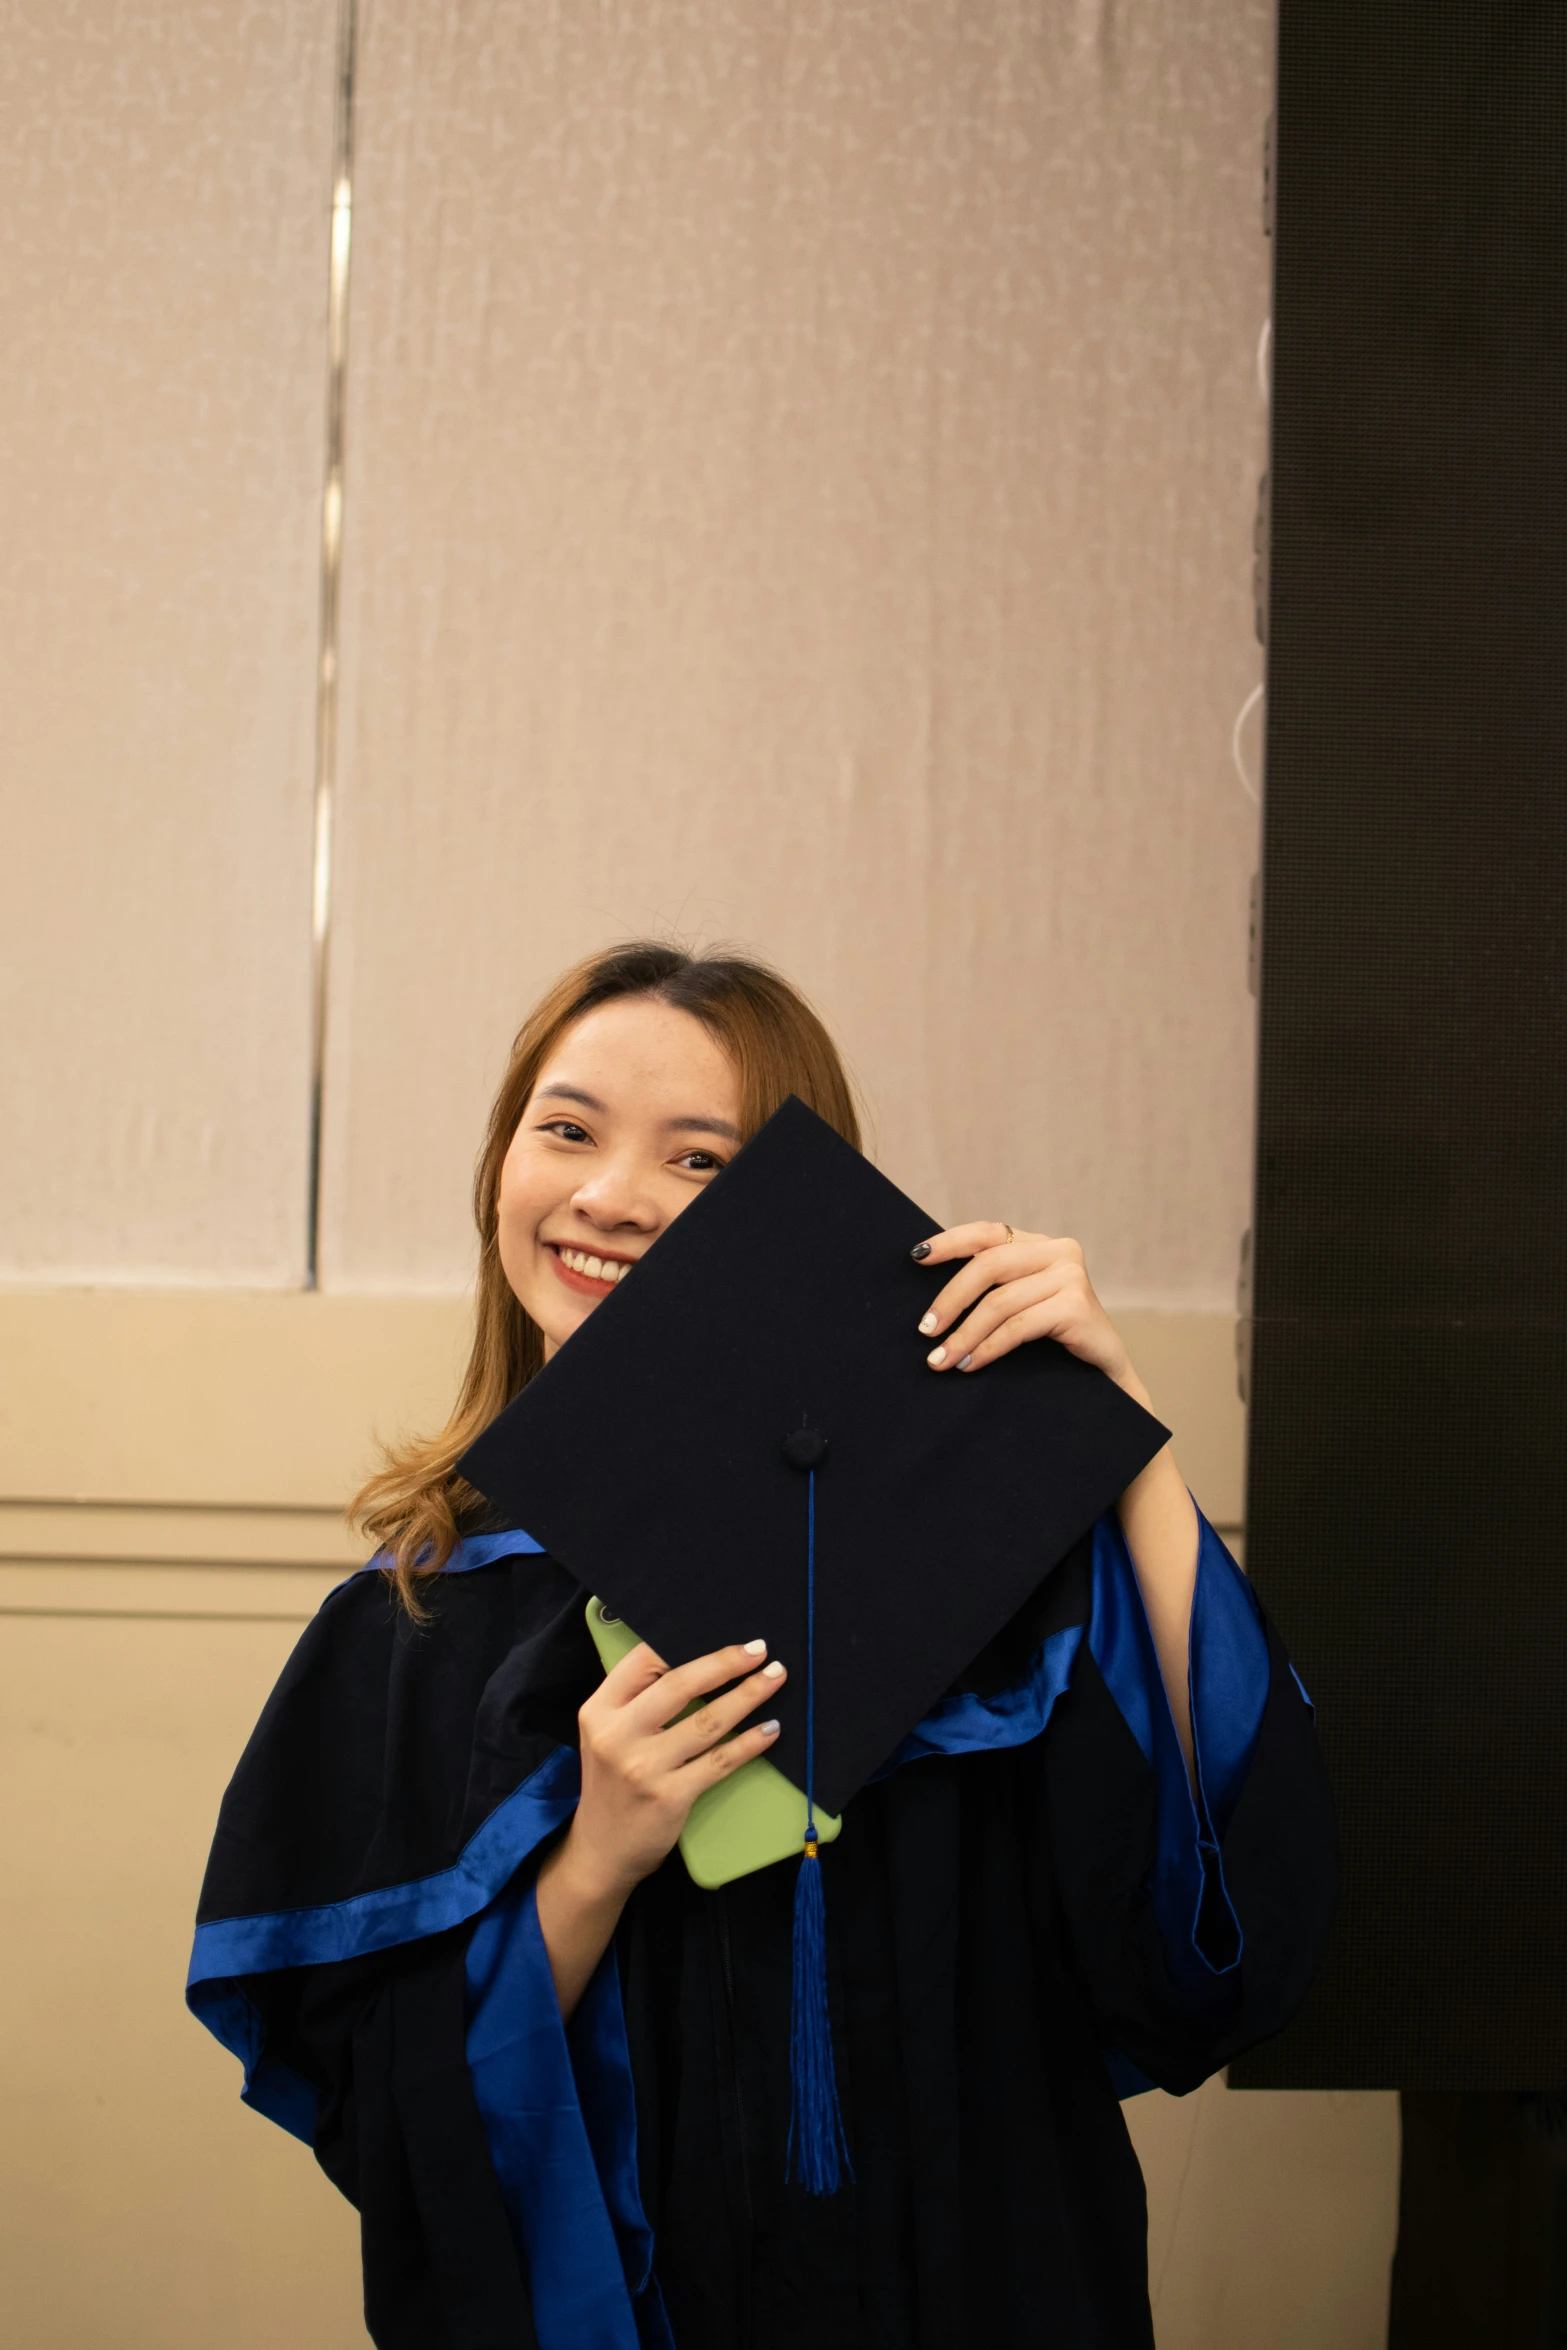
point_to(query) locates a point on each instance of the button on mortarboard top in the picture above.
(804, 1448)
(657, 1455)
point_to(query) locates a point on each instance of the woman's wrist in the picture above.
(579, 1905)
(581, 1875)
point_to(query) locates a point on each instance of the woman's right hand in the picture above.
(643, 1767)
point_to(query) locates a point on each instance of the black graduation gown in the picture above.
(1019, 1926)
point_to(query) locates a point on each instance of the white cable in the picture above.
(1265, 360)
(1246, 709)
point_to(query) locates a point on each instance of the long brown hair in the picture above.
(414, 1503)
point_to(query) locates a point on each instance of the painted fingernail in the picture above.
(936, 1357)
(928, 1325)
(768, 1729)
(772, 1672)
(756, 1648)
(967, 1359)
(920, 1251)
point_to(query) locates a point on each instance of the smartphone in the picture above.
(747, 1821)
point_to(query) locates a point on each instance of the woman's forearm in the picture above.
(652, 1741)
(1159, 1521)
(578, 1914)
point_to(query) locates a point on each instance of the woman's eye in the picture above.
(699, 1162)
(568, 1130)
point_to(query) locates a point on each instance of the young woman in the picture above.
(446, 1927)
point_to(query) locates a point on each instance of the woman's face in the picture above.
(633, 1114)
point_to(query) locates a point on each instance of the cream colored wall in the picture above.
(800, 479)
(1271, 2216)
(141, 2206)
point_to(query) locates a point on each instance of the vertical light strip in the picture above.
(331, 598)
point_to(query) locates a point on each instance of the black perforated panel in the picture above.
(1407, 1505)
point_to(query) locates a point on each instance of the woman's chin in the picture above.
(553, 1298)
(561, 1317)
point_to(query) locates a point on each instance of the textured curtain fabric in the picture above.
(801, 465)
(801, 474)
(165, 179)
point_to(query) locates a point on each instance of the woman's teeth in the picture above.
(596, 1268)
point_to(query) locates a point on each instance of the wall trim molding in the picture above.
(219, 1434)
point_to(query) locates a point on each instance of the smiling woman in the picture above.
(447, 1924)
(583, 1195)
(635, 1079)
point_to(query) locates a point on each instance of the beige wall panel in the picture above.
(1272, 2216)
(171, 1589)
(165, 190)
(141, 2205)
(801, 470)
(214, 1402)
(223, 1409)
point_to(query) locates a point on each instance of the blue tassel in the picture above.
(817, 2144)
(816, 2139)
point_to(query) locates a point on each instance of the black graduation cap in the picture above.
(769, 1343)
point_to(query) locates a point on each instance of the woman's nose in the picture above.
(616, 1192)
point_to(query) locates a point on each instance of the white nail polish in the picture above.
(768, 1727)
(928, 1325)
(967, 1359)
(936, 1357)
(756, 1648)
(772, 1672)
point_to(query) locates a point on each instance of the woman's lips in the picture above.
(582, 1283)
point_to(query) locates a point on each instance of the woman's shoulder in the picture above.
(499, 1607)
(488, 1569)
(388, 1739)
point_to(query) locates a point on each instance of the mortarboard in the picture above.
(744, 1439)
(651, 1455)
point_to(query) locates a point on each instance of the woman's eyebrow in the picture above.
(703, 1126)
(569, 1093)
(589, 1101)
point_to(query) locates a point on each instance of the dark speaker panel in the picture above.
(1407, 1492)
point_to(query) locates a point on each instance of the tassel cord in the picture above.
(818, 2150)
(810, 1662)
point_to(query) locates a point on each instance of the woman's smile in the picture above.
(589, 1274)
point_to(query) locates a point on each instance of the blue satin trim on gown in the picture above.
(967, 1724)
(1228, 1675)
(1228, 1687)
(398, 1913)
(474, 1550)
(227, 1948)
(482, 1550)
(560, 2115)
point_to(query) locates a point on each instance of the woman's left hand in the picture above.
(1021, 1285)
(1014, 1287)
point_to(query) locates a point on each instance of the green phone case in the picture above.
(745, 1822)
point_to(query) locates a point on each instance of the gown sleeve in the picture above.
(1196, 1917)
(403, 2021)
